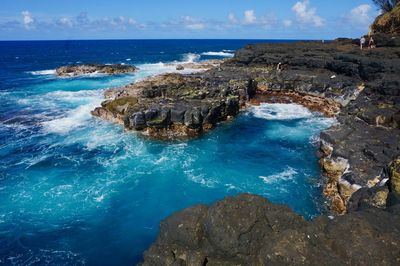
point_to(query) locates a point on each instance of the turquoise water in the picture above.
(78, 190)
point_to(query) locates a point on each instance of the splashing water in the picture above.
(78, 190)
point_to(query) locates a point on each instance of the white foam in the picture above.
(191, 58)
(43, 72)
(73, 119)
(287, 175)
(280, 111)
(222, 54)
(128, 59)
(76, 117)
(161, 68)
(74, 96)
(200, 179)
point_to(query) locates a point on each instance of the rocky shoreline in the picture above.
(359, 88)
(359, 156)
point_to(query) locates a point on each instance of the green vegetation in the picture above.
(386, 5)
(119, 104)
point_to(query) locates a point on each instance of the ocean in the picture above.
(76, 190)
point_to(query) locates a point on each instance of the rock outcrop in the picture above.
(387, 23)
(86, 69)
(249, 230)
(175, 105)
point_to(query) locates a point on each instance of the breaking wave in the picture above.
(191, 58)
(221, 54)
(43, 72)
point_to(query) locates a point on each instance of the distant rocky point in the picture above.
(86, 69)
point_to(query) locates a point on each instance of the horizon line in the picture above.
(170, 39)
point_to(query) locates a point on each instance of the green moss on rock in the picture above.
(121, 104)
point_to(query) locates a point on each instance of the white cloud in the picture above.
(195, 26)
(361, 15)
(232, 18)
(249, 17)
(64, 21)
(131, 21)
(192, 23)
(307, 15)
(287, 23)
(28, 20)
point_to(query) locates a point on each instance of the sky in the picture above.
(184, 19)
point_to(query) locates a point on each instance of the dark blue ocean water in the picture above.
(77, 190)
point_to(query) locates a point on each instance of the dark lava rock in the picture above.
(249, 230)
(78, 70)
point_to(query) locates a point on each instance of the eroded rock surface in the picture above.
(86, 69)
(249, 230)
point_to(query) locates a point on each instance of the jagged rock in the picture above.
(394, 176)
(193, 118)
(249, 230)
(136, 121)
(180, 67)
(78, 70)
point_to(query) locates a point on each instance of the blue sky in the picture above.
(157, 19)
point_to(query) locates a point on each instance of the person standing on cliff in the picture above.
(279, 68)
(362, 42)
(371, 43)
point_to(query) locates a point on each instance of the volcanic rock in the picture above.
(86, 69)
(250, 230)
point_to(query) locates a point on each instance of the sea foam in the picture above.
(76, 117)
(191, 58)
(279, 111)
(287, 175)
(221, 54)
(43, 72)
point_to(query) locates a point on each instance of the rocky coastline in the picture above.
(359, 88)
(360, 155)
(359, 159)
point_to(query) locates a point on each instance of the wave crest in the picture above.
(43, 72)
(221, 54)
(191, 58)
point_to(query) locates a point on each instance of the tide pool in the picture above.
(78, 190)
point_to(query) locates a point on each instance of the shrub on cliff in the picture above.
(389, 21)
(386, 5)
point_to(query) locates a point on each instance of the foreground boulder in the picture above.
(86, 69)
(249, 230)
